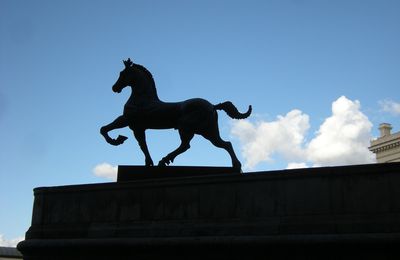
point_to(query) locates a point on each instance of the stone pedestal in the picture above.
(351, 212)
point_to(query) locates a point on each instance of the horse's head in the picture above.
(126, 77)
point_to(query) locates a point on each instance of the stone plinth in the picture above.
(349, 211)
(133, 173)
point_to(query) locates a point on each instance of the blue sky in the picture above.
(294, 59)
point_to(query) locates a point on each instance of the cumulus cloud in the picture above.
(343, 138)
(10, 242)
(263, 139)
(106, 170)
(295, 165)
(390, 106)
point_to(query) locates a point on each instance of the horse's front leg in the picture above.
(185, 145)
(141, 138)
(120, 122)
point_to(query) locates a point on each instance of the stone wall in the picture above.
(222, 214)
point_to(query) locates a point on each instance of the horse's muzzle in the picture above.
(116, 89)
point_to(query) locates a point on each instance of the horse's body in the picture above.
(193, 115)
(144, 110)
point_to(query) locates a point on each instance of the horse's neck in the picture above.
(141, 96)
(146, 82)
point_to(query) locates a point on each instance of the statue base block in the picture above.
(350, 212)
(133, 173)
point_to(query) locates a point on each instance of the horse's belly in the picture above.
(197, 115)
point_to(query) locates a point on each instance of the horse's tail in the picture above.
(232, 111)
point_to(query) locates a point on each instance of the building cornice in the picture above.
(389, 145)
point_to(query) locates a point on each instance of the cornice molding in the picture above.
(378, 148)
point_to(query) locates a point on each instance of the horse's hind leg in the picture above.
(214, 137)
(120, 122)
(183, 147)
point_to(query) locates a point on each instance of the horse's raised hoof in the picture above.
(120, 140)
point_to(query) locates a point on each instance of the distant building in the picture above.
(9, 253)
(387, 146)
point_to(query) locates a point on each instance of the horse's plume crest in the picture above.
(128, 63)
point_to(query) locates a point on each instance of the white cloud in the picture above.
(10, 242)
(295, 165)
(263, 139)
(106, 170)
(342, 139)
(390, 106)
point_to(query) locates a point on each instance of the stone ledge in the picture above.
(373, 238)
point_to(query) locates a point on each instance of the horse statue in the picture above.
(144, 110)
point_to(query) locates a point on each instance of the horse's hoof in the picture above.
(121, 139)
(237, 167)
(164, 162)
(149, 163)
(237, 170)
(113, 142)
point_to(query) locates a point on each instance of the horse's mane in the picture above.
(150, 76)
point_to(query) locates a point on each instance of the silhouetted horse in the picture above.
(144, 110)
